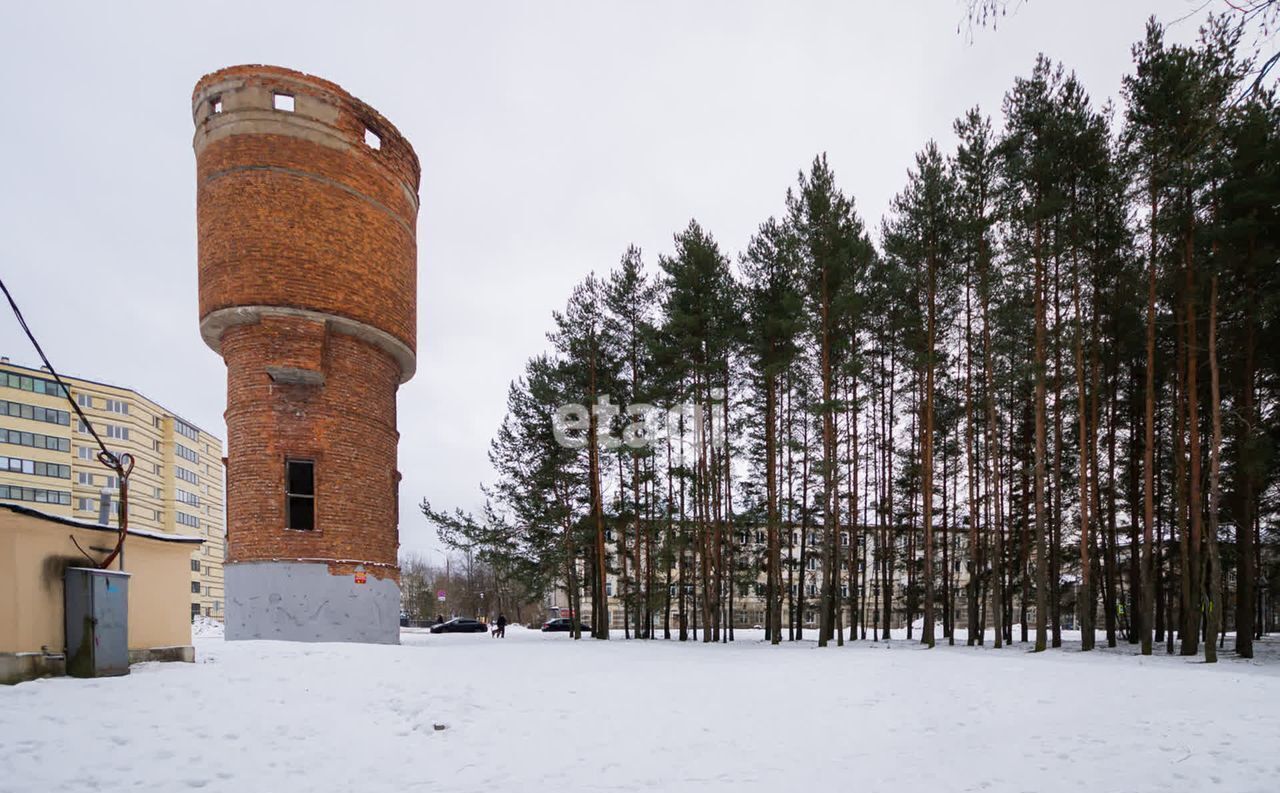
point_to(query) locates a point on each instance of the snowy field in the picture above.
(538, 713)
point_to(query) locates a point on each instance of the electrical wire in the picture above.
(121, 463)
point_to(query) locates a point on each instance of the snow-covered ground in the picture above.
(538, 712)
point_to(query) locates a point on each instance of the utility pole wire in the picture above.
(122, 463)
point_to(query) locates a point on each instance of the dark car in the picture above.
(460, 625)
(562, 625)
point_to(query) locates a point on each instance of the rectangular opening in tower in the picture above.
(371, 139)
(284, 102)
(300, 494)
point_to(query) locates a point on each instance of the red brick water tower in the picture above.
(307, 200)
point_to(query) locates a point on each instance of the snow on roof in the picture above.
(84, 524)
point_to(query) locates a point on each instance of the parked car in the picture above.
(460, 625)
(562, 625)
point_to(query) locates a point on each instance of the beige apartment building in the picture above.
(48, 461)
(803, 598)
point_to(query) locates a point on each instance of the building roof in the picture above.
(84, 524)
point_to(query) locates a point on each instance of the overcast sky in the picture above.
(551, 136)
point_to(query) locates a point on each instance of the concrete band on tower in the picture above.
(307, 204)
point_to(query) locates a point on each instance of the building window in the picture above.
(186, 430)
(185, 453)
(195, 587)
(195, 609)
(84, 400)
(18, 410)
(187, 520)
(35, 440)
(300, 494)
(195, 565)
(18, 465)
(36, 385)
(118, 406)
(34, 494)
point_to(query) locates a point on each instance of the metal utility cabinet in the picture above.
(97, 617)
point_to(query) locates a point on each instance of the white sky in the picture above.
(551, 136)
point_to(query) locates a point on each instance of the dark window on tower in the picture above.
(300, 494)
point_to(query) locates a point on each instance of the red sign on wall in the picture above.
(360, 578)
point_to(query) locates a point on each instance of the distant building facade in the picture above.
(49, 462)
(802, 582)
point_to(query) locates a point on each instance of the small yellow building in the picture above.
(49, 461)
(35, 549)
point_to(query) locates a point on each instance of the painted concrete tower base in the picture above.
(306, 207)
(296, 601)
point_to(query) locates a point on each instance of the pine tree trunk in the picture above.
(991, 467)
(1055, 529)
(973, 630)
(1247, 566)
(1042, 562)
(1213, 604)
(773, 594)
(1194, 505)
(926, 459)
(1085, 604)
(600, 603)
(1148, 450)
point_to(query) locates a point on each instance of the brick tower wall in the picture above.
(308, 271)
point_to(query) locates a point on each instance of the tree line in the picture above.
(1055, 363)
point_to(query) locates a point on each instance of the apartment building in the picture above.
(48, 461)
(802, 579)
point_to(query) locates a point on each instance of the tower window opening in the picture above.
(284, 102)
(215, 104)
(371, 139)
(300, 494)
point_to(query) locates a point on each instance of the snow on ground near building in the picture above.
(538, 713)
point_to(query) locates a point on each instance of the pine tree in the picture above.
(920, 234)
(833, 254)
(773, 310)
